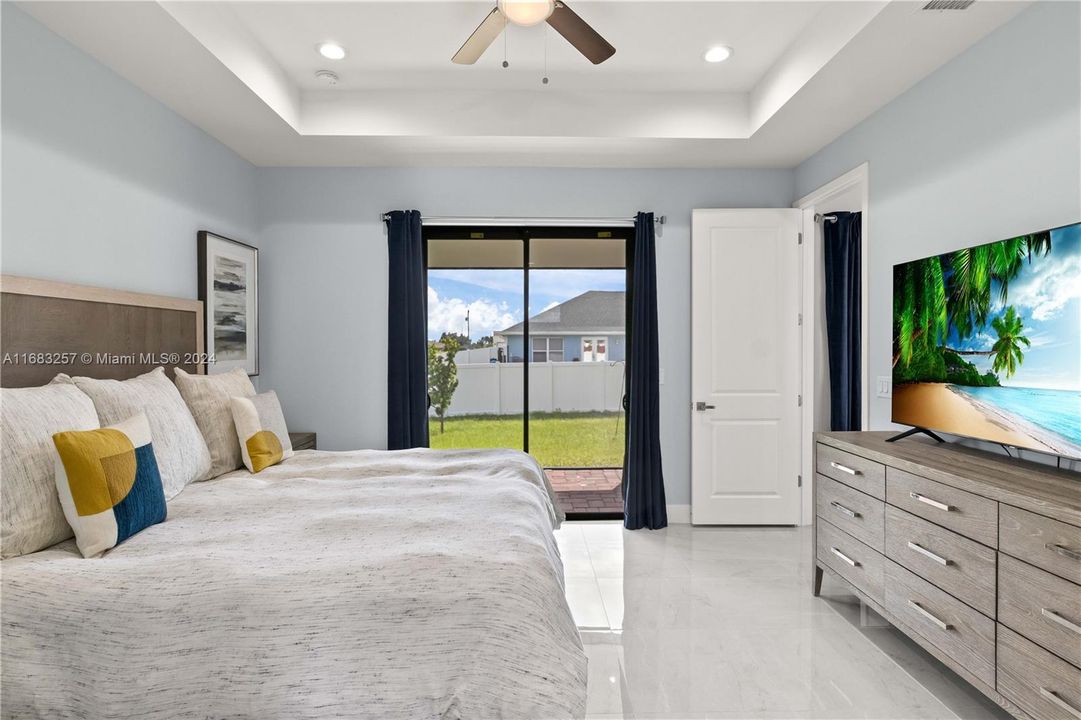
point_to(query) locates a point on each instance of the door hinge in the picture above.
(799, 238)
(799, 400)
(799, 481)
(800, 321)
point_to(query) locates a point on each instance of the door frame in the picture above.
(854, 183)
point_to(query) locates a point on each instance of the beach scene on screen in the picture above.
(987, 342)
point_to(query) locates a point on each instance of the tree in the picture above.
(442, 375)
(1006, 353)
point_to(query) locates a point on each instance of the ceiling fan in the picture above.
(563, 20)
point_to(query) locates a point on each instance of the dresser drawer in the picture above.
(1043, 607)
(971, 515)
(863, 474)
(1041, 541)
(857, 514)
(954, 628)
(1044, 686)
(961, 567)
(851, 559)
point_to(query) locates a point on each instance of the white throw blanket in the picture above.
(412, 584)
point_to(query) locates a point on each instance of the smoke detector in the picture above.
(948, 4)
(327, 77)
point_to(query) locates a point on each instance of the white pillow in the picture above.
(208, 397)
(260, 426)
(178, 445)
(30, 514)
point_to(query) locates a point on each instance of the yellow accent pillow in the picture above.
(108, 482)
(261, 429)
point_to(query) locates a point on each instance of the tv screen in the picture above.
(987, 342)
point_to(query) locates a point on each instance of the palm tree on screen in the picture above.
(1006, 353)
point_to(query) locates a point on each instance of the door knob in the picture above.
(702, 407)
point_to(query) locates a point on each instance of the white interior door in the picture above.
(745, 367)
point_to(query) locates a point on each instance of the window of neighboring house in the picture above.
(594, 349)
(547, 349)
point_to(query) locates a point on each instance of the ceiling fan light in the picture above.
(527, 12)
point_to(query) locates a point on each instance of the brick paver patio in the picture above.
(591, 490)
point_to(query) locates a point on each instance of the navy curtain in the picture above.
(843, 318)
(643, 482)
(407, 346)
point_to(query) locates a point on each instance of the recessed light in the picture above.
(717, 54)
(331, 51)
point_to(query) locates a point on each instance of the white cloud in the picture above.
(1048, 288)
(448, 315)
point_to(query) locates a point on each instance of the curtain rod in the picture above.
(447, 221)
(825, 218)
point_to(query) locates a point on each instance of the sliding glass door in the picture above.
(475, 385)
(527, 328)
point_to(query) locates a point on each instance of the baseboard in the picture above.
(679, 514)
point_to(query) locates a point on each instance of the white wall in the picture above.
(987, 147)
(103, 185)
(324, 275)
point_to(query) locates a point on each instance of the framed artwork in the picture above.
(229, 289)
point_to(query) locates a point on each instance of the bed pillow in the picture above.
(208, 398)
(108, 483)
(31, 518)
(261, 430)
(179, 446)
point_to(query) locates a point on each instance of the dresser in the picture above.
(975, 556)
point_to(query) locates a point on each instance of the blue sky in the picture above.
(1047, 295)
(494, 297)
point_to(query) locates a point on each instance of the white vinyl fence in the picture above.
(496, 388)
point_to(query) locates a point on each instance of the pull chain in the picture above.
(506, 27)
(544, 80)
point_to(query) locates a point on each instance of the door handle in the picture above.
(702, 407)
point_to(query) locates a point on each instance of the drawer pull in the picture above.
(928, 501)
(844, 557)
(919, 608)
(1064, 551)
(927, 553)
(845, 469)
(1056, 618)
(842, 509)
(1062, 704)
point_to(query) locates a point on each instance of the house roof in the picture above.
(595, 311)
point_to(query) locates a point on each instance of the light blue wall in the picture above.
(103, 185)
(324, 323)
(572, 347)
(987, 147)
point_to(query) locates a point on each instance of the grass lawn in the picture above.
(555, 439)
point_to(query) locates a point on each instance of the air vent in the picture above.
(948, 4)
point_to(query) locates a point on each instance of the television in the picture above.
(987, 342)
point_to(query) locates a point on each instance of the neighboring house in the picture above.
(587, 328)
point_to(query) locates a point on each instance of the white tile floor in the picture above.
(720, 623)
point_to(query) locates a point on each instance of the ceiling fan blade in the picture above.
(481, 38)
(579, 34)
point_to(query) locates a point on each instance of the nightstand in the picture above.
(302, 440)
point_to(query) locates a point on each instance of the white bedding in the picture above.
(412, 584)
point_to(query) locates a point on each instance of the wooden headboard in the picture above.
(51, 327)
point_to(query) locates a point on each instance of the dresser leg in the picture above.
(818, 581)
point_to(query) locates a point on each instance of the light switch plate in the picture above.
(885, 386)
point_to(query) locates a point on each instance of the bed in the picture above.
(408, 584)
